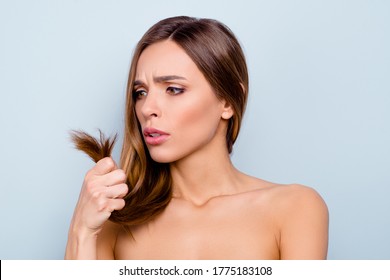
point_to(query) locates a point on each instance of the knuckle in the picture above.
(96, 195)
(89, 186)
(102, 204)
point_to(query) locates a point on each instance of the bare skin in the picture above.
(269, 222)
(217, 212)
(239, 217)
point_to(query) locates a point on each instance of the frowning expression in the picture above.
(175, 105)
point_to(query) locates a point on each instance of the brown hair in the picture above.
(218, 55)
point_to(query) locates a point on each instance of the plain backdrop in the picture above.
(318, 112)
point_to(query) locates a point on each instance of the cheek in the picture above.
(198, 119)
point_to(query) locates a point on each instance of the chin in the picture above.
(162, 157)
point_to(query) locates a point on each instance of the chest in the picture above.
(218, 232)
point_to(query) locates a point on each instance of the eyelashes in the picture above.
(175, 90)
(140, 93)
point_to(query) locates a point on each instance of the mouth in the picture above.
(154, 136)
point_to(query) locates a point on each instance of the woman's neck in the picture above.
(203, 176)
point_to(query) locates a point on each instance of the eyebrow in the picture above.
(161, 79)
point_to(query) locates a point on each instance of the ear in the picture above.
(227, 111)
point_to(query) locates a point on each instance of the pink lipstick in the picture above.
(154, 136)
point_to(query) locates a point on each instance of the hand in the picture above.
(102, 192)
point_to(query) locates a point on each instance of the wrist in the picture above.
(79, 229)
(81, 244)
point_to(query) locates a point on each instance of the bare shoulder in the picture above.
(107, 240)
(299, 202)
(281, 198)
(302, 217)
(286, 196)
(295, 196)
(289, 199)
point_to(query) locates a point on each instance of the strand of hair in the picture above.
(95, 148)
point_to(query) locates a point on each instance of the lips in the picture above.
(154, 136)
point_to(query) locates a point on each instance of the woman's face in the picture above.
(178, 111)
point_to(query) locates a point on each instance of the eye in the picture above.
(138, 94)
(175, 90)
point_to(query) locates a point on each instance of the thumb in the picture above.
(104, 166)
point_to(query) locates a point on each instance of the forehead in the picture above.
(165, 58)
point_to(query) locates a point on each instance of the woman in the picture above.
(177, 194)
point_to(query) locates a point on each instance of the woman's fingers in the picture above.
(116, 191)
(104, 206)
(102, 193)
(106, 173)
(116, 204)
(103, 166)
(115, 177)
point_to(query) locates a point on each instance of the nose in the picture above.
(150, 105)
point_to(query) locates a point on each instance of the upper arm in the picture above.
(304, 227)
(106, 241)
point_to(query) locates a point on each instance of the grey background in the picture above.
(318, 112)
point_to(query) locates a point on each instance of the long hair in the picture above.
(218, 55)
